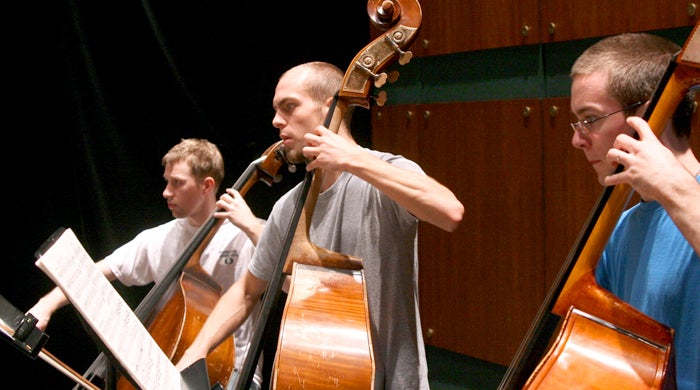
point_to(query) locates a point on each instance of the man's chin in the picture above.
(602, 175)
(601, 179)
(294, 157)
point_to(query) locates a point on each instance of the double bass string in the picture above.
(274, 287)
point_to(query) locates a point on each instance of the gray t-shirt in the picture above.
(355, 218)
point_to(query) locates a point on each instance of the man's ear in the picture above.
(329, 102)
(642, 109)
(209, 183)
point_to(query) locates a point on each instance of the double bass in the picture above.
(583, 336)
(327, 293)
(176, 308)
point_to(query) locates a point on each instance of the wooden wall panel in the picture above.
(457, 26)
(585, 19)
(450, 26)
(482, 284)
(395, 129)
(454, 26)
(571, 186)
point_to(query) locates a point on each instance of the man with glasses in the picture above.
(651, 260)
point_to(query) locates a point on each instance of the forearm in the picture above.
(44, 308)
(47, 305)
(253, 229)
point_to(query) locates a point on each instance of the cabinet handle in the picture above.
(553, 111)
(691, 9)
(525, 30)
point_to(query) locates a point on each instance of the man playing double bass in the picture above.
(193, 172)
(651, 260)
(369, 206)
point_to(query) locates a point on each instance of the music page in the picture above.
(68, 264)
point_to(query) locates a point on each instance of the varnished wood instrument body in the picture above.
(602, 341)
(325, 342)
(325, 339)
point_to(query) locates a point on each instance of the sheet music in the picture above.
(67, 263)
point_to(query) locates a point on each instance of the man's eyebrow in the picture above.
(281, 102)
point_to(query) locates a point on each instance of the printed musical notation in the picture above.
(68, 264)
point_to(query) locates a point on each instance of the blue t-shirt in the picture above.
(650, 265)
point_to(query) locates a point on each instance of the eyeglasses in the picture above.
(586, 126)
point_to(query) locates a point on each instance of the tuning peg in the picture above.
(387, 11)
(393, 76)
(405, 57)
(380, 99)
(379, 79)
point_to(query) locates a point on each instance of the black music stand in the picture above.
(26, 336)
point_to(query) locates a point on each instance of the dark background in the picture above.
(97, 91)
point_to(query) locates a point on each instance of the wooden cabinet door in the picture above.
(481, 285)
(395, 130)
(455, 26)
(450, 26)
(571, 187)
(567, 20)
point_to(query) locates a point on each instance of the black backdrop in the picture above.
(97, 91)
